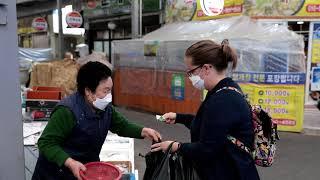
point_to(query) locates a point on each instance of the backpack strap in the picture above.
(232, 139)
(229, 88)
(239, 144)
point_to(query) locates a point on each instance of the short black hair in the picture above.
(90, 75)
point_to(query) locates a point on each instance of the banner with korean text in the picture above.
(280, 94)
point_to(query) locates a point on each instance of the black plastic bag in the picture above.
(183, 169)
(153, 160)
(168, 166)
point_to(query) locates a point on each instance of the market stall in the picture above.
(150, 72)
(116, 150)
(50, 81)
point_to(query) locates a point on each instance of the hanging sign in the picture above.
(177, 87)
(40, 24)
(315, 79)
(74, 19)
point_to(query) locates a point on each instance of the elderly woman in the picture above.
(79, 125)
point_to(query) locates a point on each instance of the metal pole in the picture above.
(134, 19)
(60, 38)
(140, 18)
(110, 45)
(11, 138)
(161, 13)
(309, 60)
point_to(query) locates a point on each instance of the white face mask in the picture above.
(197, 82)
(103, 103)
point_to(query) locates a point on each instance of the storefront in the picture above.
(118, 12)
(42, 32)
(33, 32)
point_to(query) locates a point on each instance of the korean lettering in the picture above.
(262, 78)
(269, 78)
(247, 77)
(283, 78)
(296, 78)
(289, 78)
(276, 78)
(235, 77)
(255, 78)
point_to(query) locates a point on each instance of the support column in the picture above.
(11, 141)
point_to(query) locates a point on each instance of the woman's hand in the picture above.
(163, 146)
(170, 118)
(75, 167)
(151, 134)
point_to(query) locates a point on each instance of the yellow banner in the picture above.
(188, 10)
(282, 8)
(316, 51)
(309, 8)
(284, 103)
(26, 30)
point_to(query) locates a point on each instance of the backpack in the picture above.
(265, 135)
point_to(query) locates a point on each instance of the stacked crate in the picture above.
(41, 101)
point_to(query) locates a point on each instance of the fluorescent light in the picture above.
(300, 22)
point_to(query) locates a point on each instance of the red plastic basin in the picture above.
(100, 171)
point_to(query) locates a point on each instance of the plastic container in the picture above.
(100, 171)
(42, 92)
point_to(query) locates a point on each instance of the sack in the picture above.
(168, 166)
(265, 135)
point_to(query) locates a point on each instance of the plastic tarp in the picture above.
(260, 48)
(28, 55)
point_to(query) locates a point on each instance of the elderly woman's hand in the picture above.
(151, 134)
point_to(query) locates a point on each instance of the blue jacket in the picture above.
(85, 142)
(222, 113)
